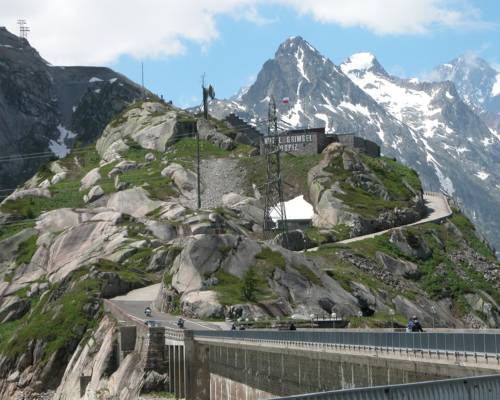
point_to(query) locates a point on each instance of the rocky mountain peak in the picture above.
(294, 43)
(475, 79)
(360, 63)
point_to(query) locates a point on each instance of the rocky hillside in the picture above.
(121, 214)
(427, 126)
(44, 109)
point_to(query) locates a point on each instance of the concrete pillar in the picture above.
(170, 369)
(180, 350)
(197, 370)
(176, 372)
(127, 336)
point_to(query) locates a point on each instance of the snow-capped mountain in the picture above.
(424, 124)
(477, 83)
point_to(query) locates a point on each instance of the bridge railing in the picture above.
(473, 388)
(484, 345)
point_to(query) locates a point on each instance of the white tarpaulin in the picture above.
(296, 208)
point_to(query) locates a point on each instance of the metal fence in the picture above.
(460, 344)
(474, 388)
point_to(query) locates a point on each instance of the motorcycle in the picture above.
(180, 323)
(147, 311)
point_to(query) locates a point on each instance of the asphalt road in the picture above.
(136, 308)
(438, 208)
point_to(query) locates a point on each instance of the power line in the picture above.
(29, 156)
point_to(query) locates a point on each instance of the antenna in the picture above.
(23, 28)
(273, 199)
(142, 80)
(208, 92)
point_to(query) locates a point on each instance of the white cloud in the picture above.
(99, 32)
(392, 16)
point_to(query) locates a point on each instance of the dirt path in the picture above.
(219, 176)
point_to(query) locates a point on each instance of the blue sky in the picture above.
(235, 58)
(229, 40)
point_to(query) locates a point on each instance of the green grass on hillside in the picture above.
(26, 250)
(230, 288)
(441, 277)
(392, 175)
(471, 236)
(59, 317)
(294, 171)
(12, 228)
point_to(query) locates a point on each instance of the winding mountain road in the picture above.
(436, 203)
(134, 302)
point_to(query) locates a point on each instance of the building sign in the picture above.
(289, 143)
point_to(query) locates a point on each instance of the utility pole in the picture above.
(207, 93)
(142, 81)
(273, 199)
(23, 28)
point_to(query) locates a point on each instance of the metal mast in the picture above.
(273, 199)
(23, 28)
(208, 92)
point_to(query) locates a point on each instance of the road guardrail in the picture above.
(460, 344)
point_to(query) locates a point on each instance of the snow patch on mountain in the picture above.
(482, 175)
(299, 55)
(405, 100)
(495, 90)
(358, 62)
(59, 147)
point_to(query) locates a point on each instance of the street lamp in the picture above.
(392, 312)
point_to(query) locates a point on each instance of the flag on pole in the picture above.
(285, 100)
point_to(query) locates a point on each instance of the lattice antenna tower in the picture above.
(23, 28)
(273, 199)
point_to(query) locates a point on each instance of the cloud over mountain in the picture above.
(88, 32)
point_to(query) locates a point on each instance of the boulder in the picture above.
(119, 184)
(58, 220)
(113, 284)
(248, 208)
(134, 201)
(203, 255)
(201, 305)
(113, 217)
(81, 245)
(295, 240)
(184, 179)
(152, 126)
(60, 176)
(90, 179)
(150, 157)
(398, 267)
(94, 193)
(123, 166)
(210, 134)
(171, 210)
(155, 382)
(20, 194)
(13, 308)
(161, 230)
(410, 244)
(9, 246)
(244, 311)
